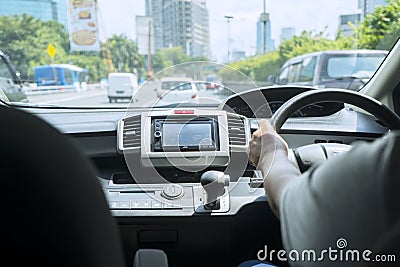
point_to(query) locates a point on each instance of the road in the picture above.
(145, 97)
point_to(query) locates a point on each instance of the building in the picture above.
(347, 22)
(287, 33)
(187, 25)
(41, 9)
(269, 43)
(144, 32)
(180, 23)
(154, 9)
(367, 6)
(238, 55)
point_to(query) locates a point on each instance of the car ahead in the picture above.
(194, 92)
(213, 82)
(10, 83)
(347, 69)
(121, 86)
(184, 92)
(167, 83)
(215, 85)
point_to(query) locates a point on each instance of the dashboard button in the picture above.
(141, 204)
(125, 205)
(155, 204)
(172, 191)
(157, 134)
(135, 204)
(114, 204)
(173, 205)
(167, 206)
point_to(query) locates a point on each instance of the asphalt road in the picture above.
(145, 97)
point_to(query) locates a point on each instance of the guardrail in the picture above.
(43, 90)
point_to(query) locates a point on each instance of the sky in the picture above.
(118, 17)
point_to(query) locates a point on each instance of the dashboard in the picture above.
(150, 164)
(262, 103)
(144, 150)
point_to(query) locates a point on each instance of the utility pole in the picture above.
(228, 19)
(264, 21)
(150, 67)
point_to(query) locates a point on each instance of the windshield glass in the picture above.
(111, 54)
(362, 66)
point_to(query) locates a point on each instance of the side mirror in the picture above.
(283, 81)
(271, 79)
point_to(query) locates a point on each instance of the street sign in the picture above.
(51, 50)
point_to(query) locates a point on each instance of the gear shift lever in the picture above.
(213, 183)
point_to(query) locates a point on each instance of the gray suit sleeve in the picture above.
(342, 198)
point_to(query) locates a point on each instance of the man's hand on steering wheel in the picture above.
(269, 153)
(264, 143)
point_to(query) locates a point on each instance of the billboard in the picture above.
(83, 26)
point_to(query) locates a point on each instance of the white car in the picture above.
(167, 83)
(185, 92)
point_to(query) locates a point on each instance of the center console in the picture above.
(192, 140)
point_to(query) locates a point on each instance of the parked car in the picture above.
(347, 69)
(10, 83)
(121, 86)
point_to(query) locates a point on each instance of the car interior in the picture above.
(92, 187)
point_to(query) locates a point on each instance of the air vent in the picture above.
(132, 132)
(236, 130)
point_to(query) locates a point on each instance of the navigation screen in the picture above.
(187, 135)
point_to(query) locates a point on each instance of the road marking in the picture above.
(80, 96)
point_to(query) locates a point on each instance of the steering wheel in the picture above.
(311, 154)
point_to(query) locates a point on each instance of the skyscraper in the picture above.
(181, 23)
(367, 6)
(41, 9)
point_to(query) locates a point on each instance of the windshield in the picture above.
(145, 53)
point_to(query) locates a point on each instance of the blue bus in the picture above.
(61, 75)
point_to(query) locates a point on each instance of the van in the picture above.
(121, 86)
(347, 69)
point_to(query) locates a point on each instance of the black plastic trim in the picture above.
(396, 99)
(93, 134)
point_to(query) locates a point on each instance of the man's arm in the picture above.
(352, 196)
(269, 152)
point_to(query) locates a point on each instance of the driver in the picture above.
(348, 202)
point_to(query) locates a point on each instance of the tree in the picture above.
(25, 40)
(308, 42)
(125, 56)
(390, 37)
(379, 30)
(259, 68)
